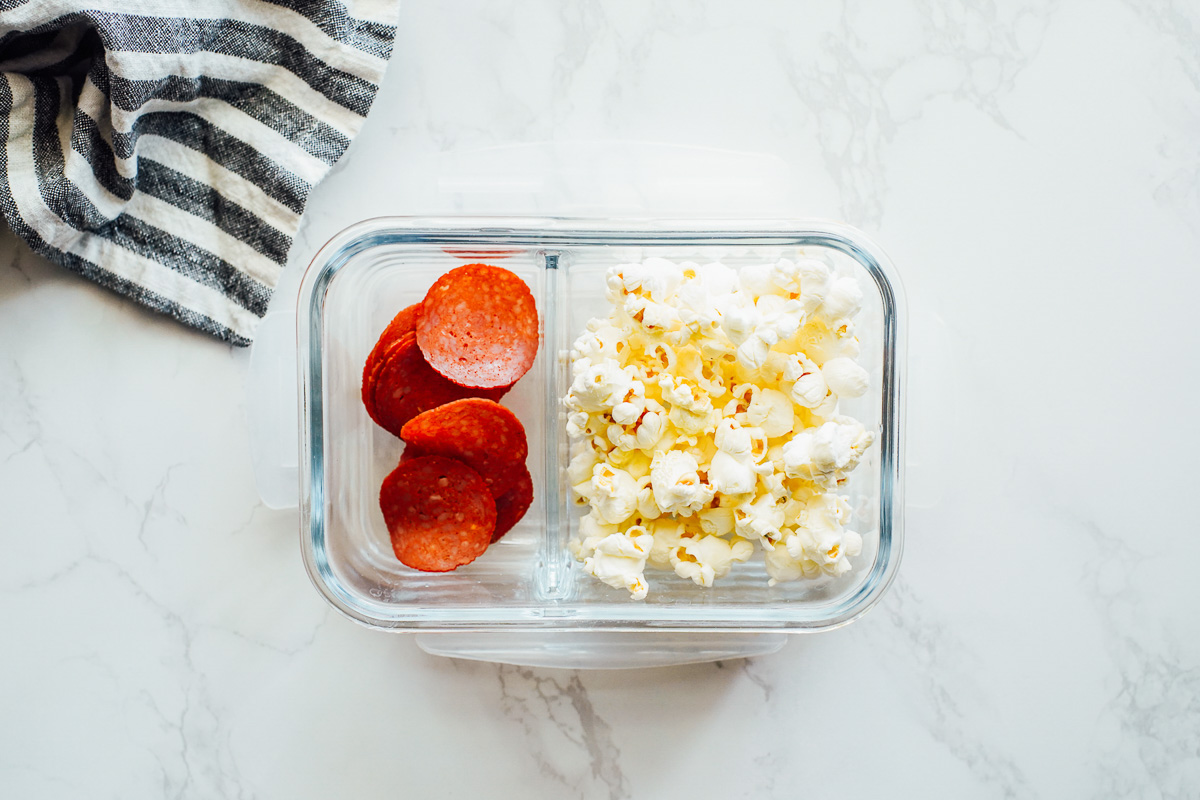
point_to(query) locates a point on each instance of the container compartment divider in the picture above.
(551, 582)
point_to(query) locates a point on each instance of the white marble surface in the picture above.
(1034, 170)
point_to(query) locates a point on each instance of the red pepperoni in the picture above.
(439, 513)
(512, 505)
(479, 327)
(481, 433)
(404, 386)
(402, 323)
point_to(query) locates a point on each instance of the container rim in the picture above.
(551, 232)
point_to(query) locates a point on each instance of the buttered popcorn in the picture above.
(705, 425)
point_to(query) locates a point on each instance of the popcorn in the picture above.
(808, 387)
(654, 318)
(619, 560)
(781, 567)
(598, 386)
(760, 518)
(695, 368)
(822, 344)
(732, 469)
(591, 531)
(579, 470)
(707, 558)
(631, 406)
(828, 452)
(845, 378)
(771, 410)
(807, 279)
(819, 545)
(667, 533)
(717, 521)
(755, 280)
(690, 407)
(655, 278)
(613, 493)
(739, 323)
(703, 414)
(647, 506)
(599, 343)
(842, 303)
(781, 315)
(753, 352)
(675, 480)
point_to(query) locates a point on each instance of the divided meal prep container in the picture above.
(528, 587)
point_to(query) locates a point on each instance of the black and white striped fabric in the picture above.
(165, 148)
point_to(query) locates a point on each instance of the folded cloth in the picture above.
(165, 148)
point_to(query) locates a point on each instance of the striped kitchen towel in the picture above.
(165, 148)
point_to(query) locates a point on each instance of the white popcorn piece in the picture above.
(690, 407)
(808, 279)
(822, 344)
(755, 280)
(821, 538)
(654, 278)
(772, 483)
(740, 321)
(579, 470)
(830, 550)
(718, 279)
(667, 533)
(600, 342)
(675, 480)
(771, 410)
(591, 530)
(845, 377)
(613, 494)
(647, 507)
(699, 309)
(598, 387)
(752, 353)
(619, 560)
(808, 387)
(781, 315)
(732, 470)
(717, 521)
(760, 518)
(653, 318)
(842, 303)
(705, 558)
(693, 366)
(781, 567)
(831, 449)
(577, 424)
(631, 405)
(728, 475)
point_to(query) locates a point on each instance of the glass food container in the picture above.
(527, 600)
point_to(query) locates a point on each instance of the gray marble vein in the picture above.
(1032, 167)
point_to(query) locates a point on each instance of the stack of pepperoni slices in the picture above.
(434, 379)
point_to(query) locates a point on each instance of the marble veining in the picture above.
(571, 744)
(1033, 168)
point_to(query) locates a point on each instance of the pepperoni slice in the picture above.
(404, 386)
(512, 505)
(481, 433)
(439, 513)
(402, 323)
(478, 326)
